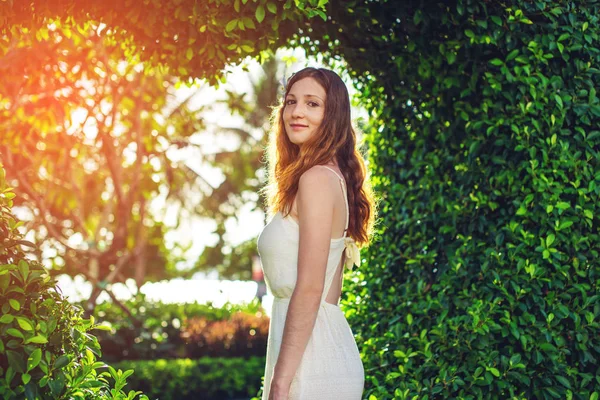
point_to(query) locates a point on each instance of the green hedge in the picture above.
(202, 379)
(484, 282)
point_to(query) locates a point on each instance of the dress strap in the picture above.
(343, 185)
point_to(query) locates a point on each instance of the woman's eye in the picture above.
(289, 102)
(313, 104)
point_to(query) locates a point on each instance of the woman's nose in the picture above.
(298, 110)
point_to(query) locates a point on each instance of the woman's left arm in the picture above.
(315, 200)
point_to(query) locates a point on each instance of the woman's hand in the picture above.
(279, 390)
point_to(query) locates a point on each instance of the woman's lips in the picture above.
(298, 127)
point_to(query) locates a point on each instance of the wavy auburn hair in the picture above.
(334, 140)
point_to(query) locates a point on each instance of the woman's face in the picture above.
(304, 110)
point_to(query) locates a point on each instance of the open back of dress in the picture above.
(331, 367)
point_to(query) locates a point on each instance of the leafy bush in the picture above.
(181, 330)
(46, 351)
(484, 144)
(204, 378)
(242, 335)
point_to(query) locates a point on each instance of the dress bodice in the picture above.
(278, 250)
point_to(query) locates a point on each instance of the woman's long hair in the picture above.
(335, 139)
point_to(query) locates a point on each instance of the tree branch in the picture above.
(45, 212)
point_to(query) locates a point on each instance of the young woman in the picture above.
(322, 208)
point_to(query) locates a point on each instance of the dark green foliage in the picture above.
(201, 379)
(46, 350)
(162, 330)
(484, 147)
(190, 38)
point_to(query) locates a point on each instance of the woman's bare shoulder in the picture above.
(317, 177)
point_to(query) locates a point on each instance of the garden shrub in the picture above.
(201, 379)
(46, 350)
(242, 335)
(181, 330)
(484, 140)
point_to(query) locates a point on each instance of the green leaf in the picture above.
(558, 101)
(565, 225)
(497, 62)
(7, 319)
(231, 25)
(24, 324)
(418, 17)
(260, 13)
(495, 372)
(515, 359)
(38, 339)
(497, 20)
(563, 381)
(24, 269)
(552, 392)
(550, 240)
(548, 347)
(103, 327)
(15, 332)
(451, 57)
(272, 7)
(34, 359)
(14, 304)
(563, 205)
(512, 54)
(399, 354)
(522, 59)
(321, 14)
(189, 54)
(469, 33)
(249, 23)
(61, 362)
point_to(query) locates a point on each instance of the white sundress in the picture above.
(331, 368)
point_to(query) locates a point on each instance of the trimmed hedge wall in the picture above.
(484, 143)
(202, 379)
